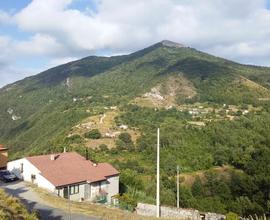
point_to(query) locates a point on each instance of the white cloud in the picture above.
(122, 24)
(39, 44)
(62, 60)
(4, 17)
(235, 29)
(10, 74)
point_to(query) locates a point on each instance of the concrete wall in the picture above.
(96, 187)
(113, 186)
(29, 170)
(3, 158)
(79, 196)
(192, 214)
(94, 190)
(75, 197)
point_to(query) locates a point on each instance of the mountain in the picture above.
(212, 112)
(43, 107)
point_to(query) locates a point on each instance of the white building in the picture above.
(124, 127)
(69, 175)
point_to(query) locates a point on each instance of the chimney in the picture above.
(65, 150)
(53, 157)
(94, 164)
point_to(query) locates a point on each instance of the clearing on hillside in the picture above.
(168, 94)
(109, 130)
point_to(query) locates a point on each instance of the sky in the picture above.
(38, 34)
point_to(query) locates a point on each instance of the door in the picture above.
(66, 192)
(87, 191)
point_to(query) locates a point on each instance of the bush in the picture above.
(231, 216)
(127, 202)
(197, 188)
(93, 134)
(74, 139)
(103, 147)
(125, 137)
(124, 142)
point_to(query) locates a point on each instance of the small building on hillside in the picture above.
(124, 127)
(3, 157)
(69, 175)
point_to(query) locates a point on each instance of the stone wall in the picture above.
(170, 212)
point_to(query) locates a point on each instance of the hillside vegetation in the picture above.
(212, 112)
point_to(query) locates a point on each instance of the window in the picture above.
(33, 178)
(21, 169)
(74, 189)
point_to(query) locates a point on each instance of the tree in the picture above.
(93, 134)
(186, 198)
(197, 188)
(124, 142)
(125, 137)
(223, 191)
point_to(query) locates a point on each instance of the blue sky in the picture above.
(37, 34)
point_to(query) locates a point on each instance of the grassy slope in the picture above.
(11, 208)
(106, 213)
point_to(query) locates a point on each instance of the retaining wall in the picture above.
(170, 212)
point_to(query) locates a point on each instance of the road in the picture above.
(32, 201)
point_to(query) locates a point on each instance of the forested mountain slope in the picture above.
(43, 106)
(211, 111)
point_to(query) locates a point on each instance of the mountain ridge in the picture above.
(163, 43)
(118, 80)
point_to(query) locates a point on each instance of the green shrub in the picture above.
(231, 216)
(127, 202)
(125, 137)
(124, 142)
(103, 147)
(74, 139)
(93, 134)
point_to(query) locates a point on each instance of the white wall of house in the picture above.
(94, 190)
(75, 197)
(113, 186)
(17, 166)
(79, 196)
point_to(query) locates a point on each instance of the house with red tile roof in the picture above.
(69, 175)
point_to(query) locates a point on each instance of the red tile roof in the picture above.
(69, 168)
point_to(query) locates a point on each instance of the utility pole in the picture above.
(69, 212)
(177, 183)
(158, 189)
